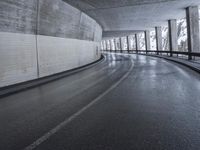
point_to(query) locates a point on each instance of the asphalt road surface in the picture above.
(126, 102)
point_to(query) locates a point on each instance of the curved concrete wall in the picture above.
(43, 37)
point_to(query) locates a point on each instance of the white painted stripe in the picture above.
(68, 120)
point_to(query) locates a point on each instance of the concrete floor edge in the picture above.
(172, 60)
(12, 89)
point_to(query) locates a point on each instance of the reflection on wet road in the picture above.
(156, 107)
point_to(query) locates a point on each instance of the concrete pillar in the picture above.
(102, 47)
(115, 42)
(137, 42)
(110, 45)
(147, 40)
(192, 16)
(106, 45)
(158, 39)
(120, 43)
(173, 39)
(127, 41)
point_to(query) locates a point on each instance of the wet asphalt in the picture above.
(156, 107)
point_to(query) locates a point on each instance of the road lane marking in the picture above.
(46, 136)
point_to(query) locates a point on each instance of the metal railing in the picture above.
(189, 55)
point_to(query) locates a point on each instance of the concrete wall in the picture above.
(60, 54)
(18, 58)
(43, 37)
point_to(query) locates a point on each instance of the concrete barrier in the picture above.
(40, 38)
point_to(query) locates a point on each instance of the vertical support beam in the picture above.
(173, 43)
(137, 42)
(106, 45)
(127, 41)
(117, 44)
(110, 45)
(114, 44)
(120, 43)
(116, 48)
(101, 45)
(192, 16)
(147, 40)
(158, 39)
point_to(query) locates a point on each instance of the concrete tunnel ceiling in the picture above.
(118, 17)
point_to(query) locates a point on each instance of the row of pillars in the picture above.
(119, 44)
(192, 17)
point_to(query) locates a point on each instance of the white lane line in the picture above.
(68, 120)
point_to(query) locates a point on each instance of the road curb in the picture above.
(169, 59)
(178, 61)
(8, 90)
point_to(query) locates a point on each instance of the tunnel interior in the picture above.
(99, 74)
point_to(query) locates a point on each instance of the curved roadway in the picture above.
(127, 102)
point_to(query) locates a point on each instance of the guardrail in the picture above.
(190, 55)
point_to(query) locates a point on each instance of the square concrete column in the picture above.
(173, 39)
(116, 48)
(120, 43)
(127, 41)
(192, 16)
(103, 45)
(158, 39)
(113, 43)
(147, 40)
(106, 45)
(137, 42)
(110, 45)
(117, 43)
